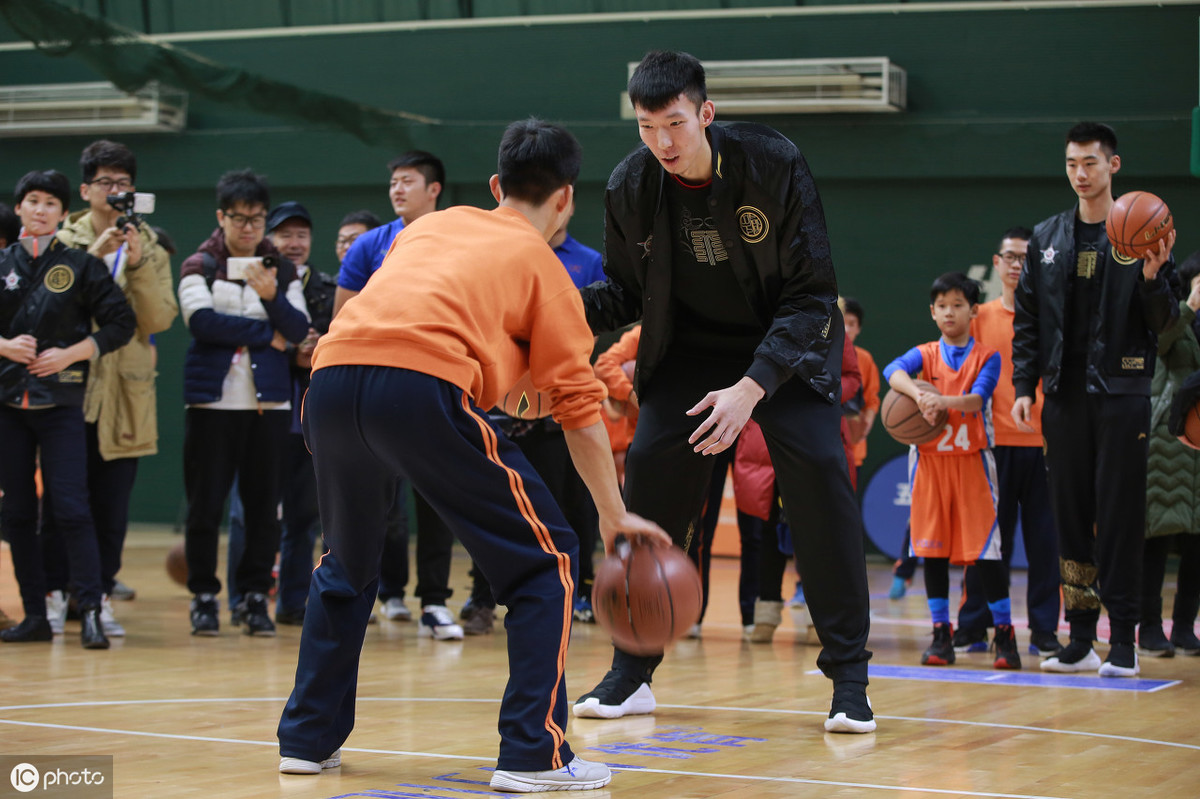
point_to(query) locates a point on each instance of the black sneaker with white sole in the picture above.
(850, 711)
(1122, 661)
(255, 617)
(618, 694)
(204, 615)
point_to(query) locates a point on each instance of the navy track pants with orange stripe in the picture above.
(367, 426)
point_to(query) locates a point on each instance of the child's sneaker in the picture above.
(941, 651)
(1184, 640)
(578, 775)
(1005, 643)
(1044, 645)
(108, 621)
(583, 610)
(798, 597)
(437, 623)
(1122, 661)
(204, 615)
(899, 588)
(965, 640)
(1075, 657)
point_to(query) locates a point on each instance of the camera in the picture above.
(131, 204)
(237, 268)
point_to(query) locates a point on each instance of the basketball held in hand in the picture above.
(1137, 222)
(1191, 426)
(902, 419)
(645, 597)
(523, 401)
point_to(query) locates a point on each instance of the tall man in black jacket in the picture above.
(1087, 324)
(715, 238)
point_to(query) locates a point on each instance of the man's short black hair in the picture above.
(852, 307)
(1018, 232)
(243, 186)
(662, 76)
(428, 164)
(50, 181)
(361, 218)
(1086, 132)
(111, 154)
(955, 281)
(536, 159)
(10, 225)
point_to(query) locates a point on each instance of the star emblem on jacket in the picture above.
(12, 280)
(645, 245)
(1048, 255)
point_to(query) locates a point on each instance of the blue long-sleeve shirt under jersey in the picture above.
(985, 382)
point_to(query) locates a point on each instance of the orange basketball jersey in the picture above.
(964, 432)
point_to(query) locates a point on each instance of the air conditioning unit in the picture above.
(800, 86)
(90, 108)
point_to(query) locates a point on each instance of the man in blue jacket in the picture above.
(242, 303)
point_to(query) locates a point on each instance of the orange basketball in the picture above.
(523, 401)
(902, 419)
(1191, 426)
(1137, 222)
(177, 568)
(645, 597)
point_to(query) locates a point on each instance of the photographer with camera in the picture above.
(242, 303)
(119, 407)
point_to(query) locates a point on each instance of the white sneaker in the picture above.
(694, 631)
(436, 622)
(578, 775)
(112, 627)
(1089, 662)
(56, 611)
(395, 610)
(295, 765)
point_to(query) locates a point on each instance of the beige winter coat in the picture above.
(121, 395)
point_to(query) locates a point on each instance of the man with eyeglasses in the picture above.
(121, 422)
(1021, 472)
(238, 391)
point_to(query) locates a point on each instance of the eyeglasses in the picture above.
(347, 240)
(108, 184)
(241, 220)
(1013, 258)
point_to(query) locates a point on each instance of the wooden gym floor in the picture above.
(191, 717)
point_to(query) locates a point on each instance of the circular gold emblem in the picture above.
(1124, 260)
(752, 224)
(60, 278)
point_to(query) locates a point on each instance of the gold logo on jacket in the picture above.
(752, 224)
(60, 278)
(1133, 363)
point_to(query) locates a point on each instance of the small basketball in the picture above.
(902, 419)
(177, 568)
(523, 401)
(645, 597)
(1191, 426)
(1137, 222)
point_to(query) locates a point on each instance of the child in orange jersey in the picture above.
(953, 477)
(484, 301)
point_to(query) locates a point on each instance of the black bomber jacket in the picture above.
(1124, 328)
(770, 219)
(55, 298)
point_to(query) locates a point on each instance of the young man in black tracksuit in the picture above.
(51, 297)
(716, 240)
(1087, 324)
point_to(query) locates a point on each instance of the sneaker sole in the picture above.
(937, 661)
(514, 783)
(1156, 653)
(206, 633)
(114, 632)
(843, 723)
(638, 704)
(296, 765)
(1004, 663)
(1089, 662)
(437, 634)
